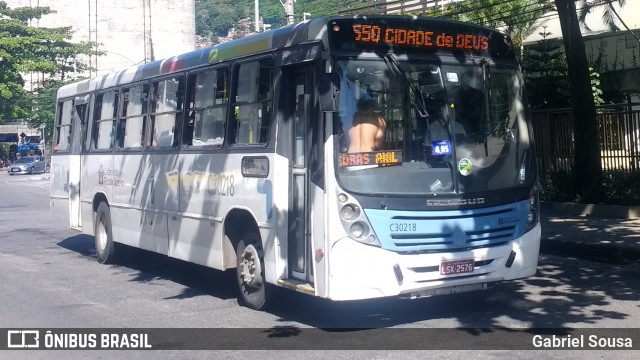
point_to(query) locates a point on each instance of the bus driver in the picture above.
(367, 131)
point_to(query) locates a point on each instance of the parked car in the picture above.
(28, 165)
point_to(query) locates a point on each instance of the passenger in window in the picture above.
(367, 130)
(439, 119)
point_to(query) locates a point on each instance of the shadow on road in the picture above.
(148, 266)
(564, 292)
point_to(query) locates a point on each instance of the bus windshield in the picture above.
(420, 127)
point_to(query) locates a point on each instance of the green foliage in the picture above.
(545, 69)
(12, 94)
(217, 17)
(595, 87)
(43, 102)
(517, 18)
(620, 188)
(609, 15)
(557, 187)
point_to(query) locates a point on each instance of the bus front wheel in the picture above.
(250, 272)
(103, 235)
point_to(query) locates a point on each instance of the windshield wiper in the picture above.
(420, 104)
(486, 105)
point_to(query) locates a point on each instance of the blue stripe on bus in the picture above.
(450, 230)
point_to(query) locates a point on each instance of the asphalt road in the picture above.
(50, 279)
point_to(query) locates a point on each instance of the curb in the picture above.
(603, 211)
(606, 253)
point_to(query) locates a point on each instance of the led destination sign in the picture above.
(419, 38)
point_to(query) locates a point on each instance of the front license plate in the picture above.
(457, 267)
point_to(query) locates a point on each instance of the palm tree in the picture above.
(609, 15)
(517, 18)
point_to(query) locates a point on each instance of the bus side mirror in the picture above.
(329, 92)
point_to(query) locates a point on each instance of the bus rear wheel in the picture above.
(103, 235)
(250, 272)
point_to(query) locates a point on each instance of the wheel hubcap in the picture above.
(250, 267)
(101, 236)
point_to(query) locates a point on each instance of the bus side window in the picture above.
(63, 126)
(104, 129)
(166, 112)
(207, 108)
(133, 111)
(253, 102)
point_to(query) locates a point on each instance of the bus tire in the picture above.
(250, 272)
(103, 235)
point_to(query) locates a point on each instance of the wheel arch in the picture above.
(235, 223)
(97, 199)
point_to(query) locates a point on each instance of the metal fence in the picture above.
(618, 131)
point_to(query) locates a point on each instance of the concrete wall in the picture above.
(122, 27)
(613, 51)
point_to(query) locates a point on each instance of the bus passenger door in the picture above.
(78, 123)
(306, 202)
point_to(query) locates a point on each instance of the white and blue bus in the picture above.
(343, 157)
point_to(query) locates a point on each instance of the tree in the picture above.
(588, 166)
(609, 15)
(24, 49)
(517, 18)
(545, 71)
(44, 106)
(217, 17)
(13, 102)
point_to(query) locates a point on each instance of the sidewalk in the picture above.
(612, 236)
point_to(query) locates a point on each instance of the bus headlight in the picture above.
(354, 221)
(349, 212)
(357, 229)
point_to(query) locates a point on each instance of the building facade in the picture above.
(129, 32)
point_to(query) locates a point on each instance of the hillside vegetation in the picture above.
(216, 17)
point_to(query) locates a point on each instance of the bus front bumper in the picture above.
(359, 271)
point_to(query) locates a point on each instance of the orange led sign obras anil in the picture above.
(380, 158)
(418, 38)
